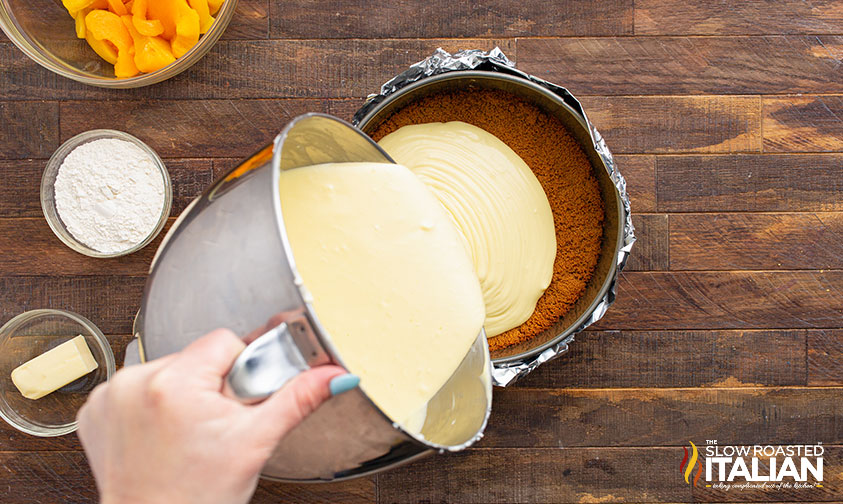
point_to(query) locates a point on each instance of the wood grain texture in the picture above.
(39, 252)
(645, 124)
(47, 478)
(825, 358)
(31, 129)
(804, 123)
(552, 475)
(687, 65)
(200, 128)
(63, 477)
(250, 21)
(235, 128)
(539, 475)
(110, 302)
(748, 17)
(749, 183)
(756, 241)
(726, 300)
(530, 418)
(20, 184)
(440, 18)
(651, 244)
(359, 491)
(640, 175)
(725, 119)
(656, 359)
(238, 69)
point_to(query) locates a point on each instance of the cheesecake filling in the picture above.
(389, 275)
(498, 205)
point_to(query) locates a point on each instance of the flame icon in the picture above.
(690, 464)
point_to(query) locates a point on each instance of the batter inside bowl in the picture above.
(389, 275)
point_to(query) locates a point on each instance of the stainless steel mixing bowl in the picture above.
(227, 262)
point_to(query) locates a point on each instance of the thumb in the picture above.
(210, 357)
(295, 401)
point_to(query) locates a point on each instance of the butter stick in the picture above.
(54, 369)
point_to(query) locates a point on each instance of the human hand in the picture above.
(164, 431)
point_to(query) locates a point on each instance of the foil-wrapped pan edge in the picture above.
(441, 61)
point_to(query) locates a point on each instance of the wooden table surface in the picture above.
(725, 117)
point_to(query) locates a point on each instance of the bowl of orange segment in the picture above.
(115, 43)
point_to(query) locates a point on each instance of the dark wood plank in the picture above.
(556, 475)
(530, 418)
(539, 475)
(747, 17)
(727, 300)
(598, 359)
(110, 302)
(361, 491)
(189, 177)
(250, 21)
(440, 18)
(640, 175)
(34, 250)
(47, 478)
(687, 65)
(755, 241)
(825, 358)
(236, 69)
(201, 128)
(650, 252)
(750, 183)
(20, 185)
(31, 129)
(57, 477)
(803, 123)
(646, 124)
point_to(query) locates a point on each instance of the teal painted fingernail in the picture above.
(344, 383)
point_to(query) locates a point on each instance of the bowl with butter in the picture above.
(50, 360)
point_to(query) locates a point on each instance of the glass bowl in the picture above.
(30, 334)
(48, 195)
(45, 32)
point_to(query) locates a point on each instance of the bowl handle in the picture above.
(266, 364)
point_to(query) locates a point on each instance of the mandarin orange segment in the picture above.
(205, 19)
(117, 7)
(187, 31)
(148, 27)
(151, 53)
(105, 25)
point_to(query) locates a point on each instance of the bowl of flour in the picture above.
(105, 193)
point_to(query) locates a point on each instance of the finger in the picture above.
(92, 408)
(211, 356)
(295, 401)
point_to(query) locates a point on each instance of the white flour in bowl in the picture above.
(109, 193)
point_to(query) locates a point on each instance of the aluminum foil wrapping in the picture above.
(506, 373)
